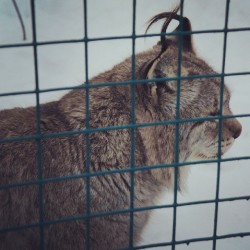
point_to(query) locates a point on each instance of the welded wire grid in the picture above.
(132, 126)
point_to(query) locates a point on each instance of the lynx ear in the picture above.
(185, 26)
(187, 43)
(149, 72)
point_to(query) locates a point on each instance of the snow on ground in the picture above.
(63, 65)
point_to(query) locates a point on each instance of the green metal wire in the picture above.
(141, 209)
(138, 82)
(87, 125)
(132, 133)
(177, 128)
(124, 170)
(40, 182)
(128, 126)
(38, 129)
(220, 126)
(120, 37)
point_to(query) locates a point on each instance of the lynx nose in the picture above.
(237, 131)
(234, 127)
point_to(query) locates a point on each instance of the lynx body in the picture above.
(109, 150)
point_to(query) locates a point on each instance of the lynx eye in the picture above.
(214, 113)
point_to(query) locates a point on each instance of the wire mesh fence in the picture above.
(132, 126)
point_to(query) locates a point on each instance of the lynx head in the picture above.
(200, 93)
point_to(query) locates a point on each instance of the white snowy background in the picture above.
(63, 65)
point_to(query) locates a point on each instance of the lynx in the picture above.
(65, 155)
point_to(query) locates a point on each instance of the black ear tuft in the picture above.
(185, 27)
(164, 45)
(149, 67)
(187, 38)
(168, 16)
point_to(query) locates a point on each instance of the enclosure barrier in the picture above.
(132, 126)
